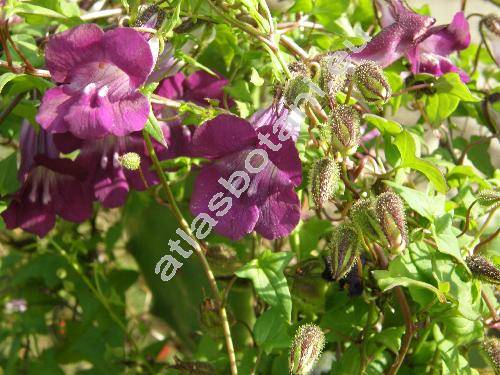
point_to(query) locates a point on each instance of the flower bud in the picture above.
(342, 249)
(130, 161)
(489, 198)
(492, 23)
(297, 89)
(365, 220)
(371, 82)
(483, 269)
(491, 346)
(209, 318)
(333, 73)
(152, 17)
(343, 129)
(306, 348)
(391, 217)
(323, 181)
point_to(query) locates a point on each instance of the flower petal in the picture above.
(223, 135)
(128, 50)
(55, 104)
(71, 48)
(200, 85)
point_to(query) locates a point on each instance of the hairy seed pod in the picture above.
(152, 17)
(342, 249)
(371, 82)
(483, 269)
(130, 161)
(343, 129)
(298, 68)
(391, 217)
(365, 219)
(297, 89)
(323, 181)
(333, 74)
(491, 346)
(489, 198)
(492, 23)
(306, 348)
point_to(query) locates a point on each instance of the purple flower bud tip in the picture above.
(306, 349)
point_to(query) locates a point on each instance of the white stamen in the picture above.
(103, 91)
(89, 88)
(116, 160)
(33, 192)
(46, 198)
(104, 162)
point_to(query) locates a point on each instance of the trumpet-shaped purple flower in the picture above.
(109, 180)
(431, 55)
(50, 186)
(265, 202)
(402, 30)
(99, 74)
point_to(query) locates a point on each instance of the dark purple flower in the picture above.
(431, 55)
(402, 30)
(197, 88)
(50, 186)
(108, 179)
(99, 74)
(269, 204)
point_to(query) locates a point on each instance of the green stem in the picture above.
(484, 226)
(199, 250)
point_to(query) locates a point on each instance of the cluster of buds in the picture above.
(306, 348)
(391, 217)
(342, 249)
(483, 269)
(371, 82)
(323, 181)
(489, 198)
(491, 347)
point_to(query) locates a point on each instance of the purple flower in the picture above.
(99, 74)
(402, 30)
(197, 88)
(251, 180)
(108, 179)
(431, 55)
(50, 186)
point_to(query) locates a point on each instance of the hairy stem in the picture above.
(199, 250)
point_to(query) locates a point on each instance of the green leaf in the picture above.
(266, 273)
(8, 174)
(440, 106)
(327, 11)
(270, 331)
(446, 240)
(451, 83)
(407, 148)
(386, 281)
(173, 21)
(27, 8)
(6, 78)
(153, 128)
(385, 126)
(256, 79)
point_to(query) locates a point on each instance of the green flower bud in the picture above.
(343, 129)
(391, 217)
(483, 269)
(491, 346)
(333, 74)
(130, 161)
(489, 198)
(296, 89)
(323, 181)
(342, 249)
(306, 348)
(371, 82)
(365, 220)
